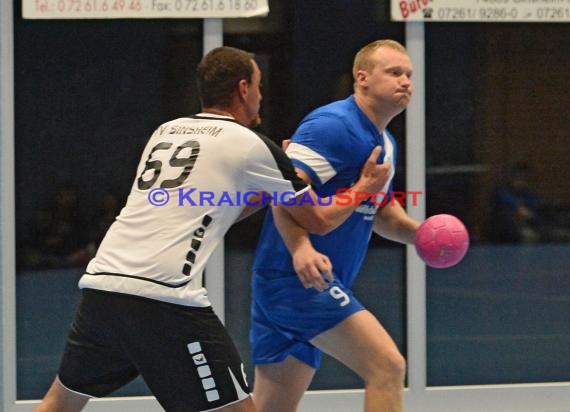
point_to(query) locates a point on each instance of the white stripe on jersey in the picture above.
(314, 160)
(388, 150)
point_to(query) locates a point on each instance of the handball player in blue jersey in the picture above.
(297, 312)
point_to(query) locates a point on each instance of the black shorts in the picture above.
(184, 354)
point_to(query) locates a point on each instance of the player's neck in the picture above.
(218, 111)
(233, 111)
(370, 109)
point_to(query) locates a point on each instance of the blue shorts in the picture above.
(286, 316)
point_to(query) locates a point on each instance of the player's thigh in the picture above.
(184, 354)
(280, 386)
(301, 313)
(94, 362)
(362, 344)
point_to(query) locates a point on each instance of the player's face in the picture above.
(253, 99)
(390, 81)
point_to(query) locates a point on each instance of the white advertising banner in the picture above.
(544, 11)
(142, 9)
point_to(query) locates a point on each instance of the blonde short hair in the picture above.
(362, 60)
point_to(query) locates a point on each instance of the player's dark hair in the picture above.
(219, 72)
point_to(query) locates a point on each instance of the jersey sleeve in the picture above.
(270, 169)
(317, 147)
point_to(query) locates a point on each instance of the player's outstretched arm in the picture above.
(393, 223)
(257, 203)
(321, 217)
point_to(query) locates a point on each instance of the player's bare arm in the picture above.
(256, 205)
(312, 268)
(393, 223)
(321, 219)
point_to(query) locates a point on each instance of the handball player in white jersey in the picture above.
(144, 309)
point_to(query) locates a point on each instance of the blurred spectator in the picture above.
(59, 234)
(514, 209)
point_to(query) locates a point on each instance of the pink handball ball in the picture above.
(442, 241)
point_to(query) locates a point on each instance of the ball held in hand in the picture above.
(442, 241)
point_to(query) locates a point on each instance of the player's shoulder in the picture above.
(333, 115)
(327, 124)
(337, 108)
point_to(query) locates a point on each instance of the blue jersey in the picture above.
(331, 145)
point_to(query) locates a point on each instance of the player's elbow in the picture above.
(320, 230)
(312, 219)
(320, 225)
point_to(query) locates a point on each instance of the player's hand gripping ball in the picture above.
(442, 241)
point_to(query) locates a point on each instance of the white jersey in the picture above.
(192, 183)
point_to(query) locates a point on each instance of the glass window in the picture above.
(497, 150)
(88, 95)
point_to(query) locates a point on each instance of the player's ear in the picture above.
(361, 78)
(243, 88)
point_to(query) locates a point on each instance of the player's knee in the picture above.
(389, 369)
(266, 402)
(398, 367)
(395, 366)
